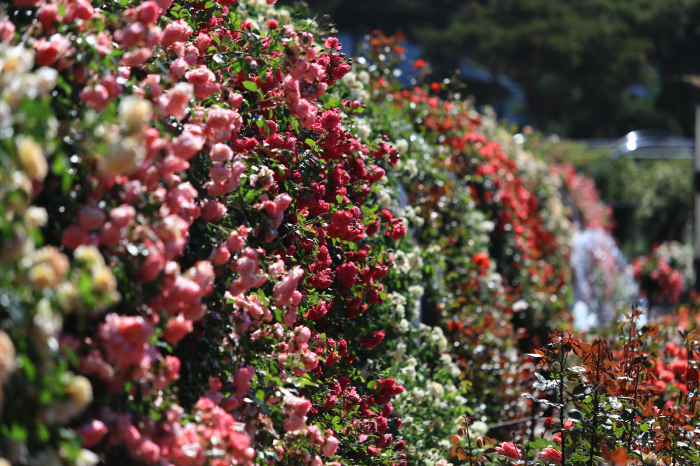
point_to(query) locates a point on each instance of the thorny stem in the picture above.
(675, 440)
(692, 385)
(562, 362)
(595, 409)
(469, 442)
(533, 417)
(633, 333)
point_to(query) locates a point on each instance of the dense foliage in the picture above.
(628, 401)
(224, 242)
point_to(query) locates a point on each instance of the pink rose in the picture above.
(74, 236)
(204, 41)
(148, 12)
(179, 67)
(110, 235)
(330, 446)
(7, 29)
(176, 100)
(175, 32)
(137, 57)
(176, 329)
(91, 218)
(46, 52)
(93, 432)
(295, 411)
(283, 292)
(221, 153)
(96, 96)
(47, 14)
(130, 36)
(172, 368)
(551, 455)
(200, 76)
(149, 451)
(122, 216)
(187, 144)
(151, 267)
(79, 10)
(242, 380)
(509, 450)
(213, 211)
(220, 256)
(235, 101)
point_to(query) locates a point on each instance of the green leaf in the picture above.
(279, 315)
(250, 195)
(43, 433)
(18, 433)
(251, 86)
(260, 395)
(264, 299)
(261, 74)
(372, 384)
(29, 368)
(311, 142)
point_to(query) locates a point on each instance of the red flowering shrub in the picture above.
(665, 272)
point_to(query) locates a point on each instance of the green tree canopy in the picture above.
(574, 59)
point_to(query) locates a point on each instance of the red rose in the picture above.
(372, 342)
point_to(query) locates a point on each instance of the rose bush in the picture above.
(629, 402)
(666, 272)
(225, 243)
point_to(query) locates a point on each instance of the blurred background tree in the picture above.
(579, 68)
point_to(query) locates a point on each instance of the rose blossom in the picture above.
(330, 446)
(7, 29)
(91, 217)
(93, 432)
(213, 211)
(295, 410)
(176, 329)
(509, 450)
(552, 455)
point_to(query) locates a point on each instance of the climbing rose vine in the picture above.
(223, 243)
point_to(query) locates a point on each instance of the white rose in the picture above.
(363, 131)
(401, 146)
(135, 113)
(32, 157)
(36, 216)
(123, 157)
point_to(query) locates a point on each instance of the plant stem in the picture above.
(562, 362)
(594, 436)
